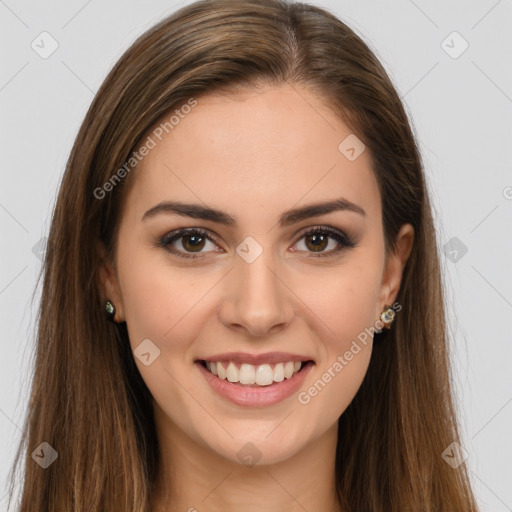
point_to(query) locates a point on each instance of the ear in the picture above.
(108, 283)
(393, 271)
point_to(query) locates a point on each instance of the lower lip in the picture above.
(256, 396)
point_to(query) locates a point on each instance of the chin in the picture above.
(251, 450)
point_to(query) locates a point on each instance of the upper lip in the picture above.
(256, 359)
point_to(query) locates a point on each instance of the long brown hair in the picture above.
(88, 400)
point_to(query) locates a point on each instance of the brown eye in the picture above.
(193, 240)
(316, 242)
(193, 243)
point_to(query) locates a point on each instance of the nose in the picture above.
(256, 299)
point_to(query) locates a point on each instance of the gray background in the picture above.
(460, 108)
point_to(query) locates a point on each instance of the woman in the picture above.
(245, 201)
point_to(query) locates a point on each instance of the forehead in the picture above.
(271, 149)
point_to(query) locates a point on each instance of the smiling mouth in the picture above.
(262, 375)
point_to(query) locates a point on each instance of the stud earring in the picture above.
(111, 311)
(387, 317)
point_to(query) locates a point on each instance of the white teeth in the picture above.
(220, 371)
(232, 373)
(247, 374)
(262, 375)
(288, 369)
(279, 372)
(212, 367)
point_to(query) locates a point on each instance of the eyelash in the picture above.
(165, 242)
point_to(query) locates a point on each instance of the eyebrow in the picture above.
(289, 217)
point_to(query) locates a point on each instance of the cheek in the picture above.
(344, 300)
(345, 352)
(163, 303)
(165, 306)
(335, 385)
(344, 315)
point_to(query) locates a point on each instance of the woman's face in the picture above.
(258, 286)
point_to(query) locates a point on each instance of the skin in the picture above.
(253, 156)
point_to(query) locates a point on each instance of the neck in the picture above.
(193, 477)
